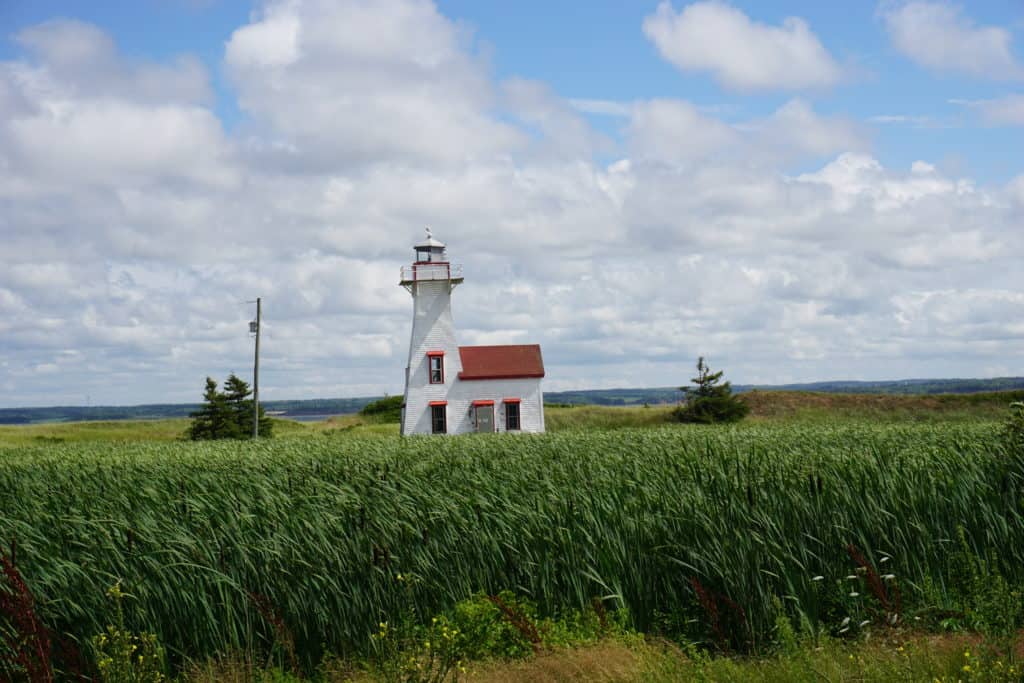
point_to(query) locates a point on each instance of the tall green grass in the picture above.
(199, 534)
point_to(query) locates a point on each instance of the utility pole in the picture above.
(256, 378)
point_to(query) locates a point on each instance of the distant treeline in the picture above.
(606, 397)
(315, 406)
(902, 386)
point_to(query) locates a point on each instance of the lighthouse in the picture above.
(452, 389)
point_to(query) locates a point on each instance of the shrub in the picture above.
(387, 409)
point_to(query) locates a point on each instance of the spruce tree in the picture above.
(708, 401)
(209, 422)
(236, 393)
(227, 414)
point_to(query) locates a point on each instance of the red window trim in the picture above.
(438, 403)
(430, 376)
(483, 403)
(511, 400)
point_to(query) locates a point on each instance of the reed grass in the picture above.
(222, 545)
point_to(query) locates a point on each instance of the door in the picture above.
(485, 418)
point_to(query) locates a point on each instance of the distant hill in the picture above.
(627, 397)
(607, 397)
(902, 386)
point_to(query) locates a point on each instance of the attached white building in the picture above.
(452, 389)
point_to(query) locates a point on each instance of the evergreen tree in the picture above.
(208, 422)
(708, 401)
(237, 393)
(227, 414)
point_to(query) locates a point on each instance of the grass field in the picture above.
(700, 533)
(767, 407)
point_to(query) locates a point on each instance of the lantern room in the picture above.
(430, 250)
(431, 264)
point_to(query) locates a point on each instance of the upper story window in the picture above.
(435, 366)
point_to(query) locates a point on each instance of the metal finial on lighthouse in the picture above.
(430, 235)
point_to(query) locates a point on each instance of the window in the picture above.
(512, 416)
(438, 421)
(435, 365)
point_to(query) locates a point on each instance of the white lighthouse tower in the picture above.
(433, 365)
(451, 389)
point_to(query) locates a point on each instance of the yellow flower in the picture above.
(967, 667)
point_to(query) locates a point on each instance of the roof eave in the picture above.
(532, 375)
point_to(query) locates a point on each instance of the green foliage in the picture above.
(487, 632)
(413, 653)
(483, 627)
(708, 401)
(982, 595)
(227, 414)
(387, 409)
(124, 657)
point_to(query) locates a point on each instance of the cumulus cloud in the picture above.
(81, 56)
(359, 82)
(742, 54)
(937, 35)
(135, 227)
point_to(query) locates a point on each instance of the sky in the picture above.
(796, 191)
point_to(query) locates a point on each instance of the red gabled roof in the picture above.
(501, 362)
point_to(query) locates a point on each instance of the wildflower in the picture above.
(818, 578)
(845, 621)
(888, 577)
(967, 667)
(854, 594)
(884, 560)
(852, 577)
(864, 623)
